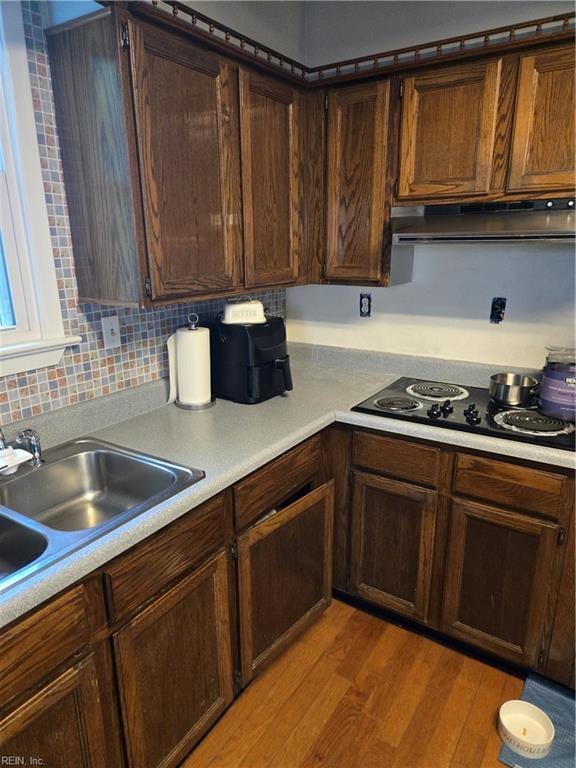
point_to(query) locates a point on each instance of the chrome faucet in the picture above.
(29, 439)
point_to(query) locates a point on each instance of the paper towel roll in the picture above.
(189, 364)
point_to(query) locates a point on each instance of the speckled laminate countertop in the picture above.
(228, 442)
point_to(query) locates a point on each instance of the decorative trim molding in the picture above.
(550, 29)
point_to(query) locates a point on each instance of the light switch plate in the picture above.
(111, 331)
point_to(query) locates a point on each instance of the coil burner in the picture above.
(398, 404)
(435, 390)
(533, 423)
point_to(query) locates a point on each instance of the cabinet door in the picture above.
(175, 668)
(500, 572)
(284, 575)
(356, 209)
(186, 109)
(393, 527)
(448, 131)
(271, 180)
(61, 724)
(543, 144)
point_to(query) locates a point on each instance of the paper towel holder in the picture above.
(193, 320)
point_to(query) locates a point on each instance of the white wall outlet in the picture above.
(365, 304)
(111, 331)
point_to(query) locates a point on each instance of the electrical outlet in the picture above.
(111, 331)
(497, 309)
(365, 304)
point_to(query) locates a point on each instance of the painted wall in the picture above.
(278, 24)
(341, 30)
(444, 312)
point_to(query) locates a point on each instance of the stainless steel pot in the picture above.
(512, 388)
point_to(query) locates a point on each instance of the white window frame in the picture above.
(38, 340)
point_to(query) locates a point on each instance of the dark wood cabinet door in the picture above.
(393, 527)
(543, 144)
(560, 663)
(186, 110)
(501, 569)
(448, 131)
(271, 115)
(356, 207)
(174, 667)
(61, 724)
(284, 576)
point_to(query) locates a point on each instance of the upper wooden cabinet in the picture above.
(447, 131)
(492, 128)
(149, 134)
(357, 206)
(186, 110)
(543, 147)
(271, 117)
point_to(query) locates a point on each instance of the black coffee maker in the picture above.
(249, 363)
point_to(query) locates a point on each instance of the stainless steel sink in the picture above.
(87, 489)
(82, 490)
(19, 546)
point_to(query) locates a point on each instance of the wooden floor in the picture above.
(356, 692)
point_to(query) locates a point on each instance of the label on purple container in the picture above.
(558, 392)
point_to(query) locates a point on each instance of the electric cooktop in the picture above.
(470, 409)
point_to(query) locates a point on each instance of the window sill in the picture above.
(27, 356)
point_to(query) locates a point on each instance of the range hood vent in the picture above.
(539, 221)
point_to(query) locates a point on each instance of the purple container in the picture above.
(558, 391)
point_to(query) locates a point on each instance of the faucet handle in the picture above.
(31, 440)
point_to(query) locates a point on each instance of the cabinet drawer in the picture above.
(398, 458)
(145, 570)
(270, 486)
(33, 647)
(510, 485)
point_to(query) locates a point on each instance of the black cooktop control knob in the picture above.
(472, 415)
(447, 408)
(434, 411)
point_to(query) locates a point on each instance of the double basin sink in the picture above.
(82, 490)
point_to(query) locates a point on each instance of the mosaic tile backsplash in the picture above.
(88, 370)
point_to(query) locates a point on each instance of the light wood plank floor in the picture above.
(356, 692)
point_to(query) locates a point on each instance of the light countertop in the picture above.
(228, 442)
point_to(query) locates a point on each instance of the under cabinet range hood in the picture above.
(540, 221)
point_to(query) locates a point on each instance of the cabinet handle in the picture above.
(124, 37)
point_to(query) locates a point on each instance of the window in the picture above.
(31, 328)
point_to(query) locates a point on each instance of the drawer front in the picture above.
(511, 485)
(137, 576)
(30, 649)
(397, 458)
(270, 486)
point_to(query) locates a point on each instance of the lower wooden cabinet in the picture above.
(393, 527)
(59, 725)
(174, 665)
(284, 576)
(501, 570)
